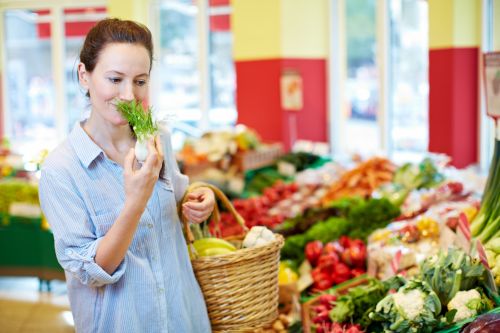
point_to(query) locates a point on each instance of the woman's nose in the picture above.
(127, 92)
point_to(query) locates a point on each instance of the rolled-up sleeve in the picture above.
(74, 234)
(180, 182)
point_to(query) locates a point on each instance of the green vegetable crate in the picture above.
(309, 302)
(458, 326)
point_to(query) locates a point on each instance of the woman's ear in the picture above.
(83, 76)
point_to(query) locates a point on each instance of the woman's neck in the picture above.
(114, 140)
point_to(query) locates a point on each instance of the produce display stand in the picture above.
(28, 250)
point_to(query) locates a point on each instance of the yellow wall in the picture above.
(256, 29)
(454, 23)
(137, 10)
(270, 29)
(305, 28)
(496, 25)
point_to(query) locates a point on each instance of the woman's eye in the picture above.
(115, 79)
(140, 82)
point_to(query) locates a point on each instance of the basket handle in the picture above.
(215, 215)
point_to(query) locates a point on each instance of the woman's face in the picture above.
(121, 73)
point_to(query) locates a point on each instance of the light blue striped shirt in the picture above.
(154, 288)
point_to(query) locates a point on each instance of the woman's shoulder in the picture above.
(61, 159)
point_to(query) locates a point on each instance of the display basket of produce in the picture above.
(263, 156)
(239, 284)
(193, 169)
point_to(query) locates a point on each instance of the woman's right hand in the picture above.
(140, 182)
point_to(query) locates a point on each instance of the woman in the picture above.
(116, 229)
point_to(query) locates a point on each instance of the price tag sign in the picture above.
(492, 83)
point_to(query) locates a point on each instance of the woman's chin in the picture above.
(119, 121)
(122, 122)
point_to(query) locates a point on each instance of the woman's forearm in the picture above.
(114, 245)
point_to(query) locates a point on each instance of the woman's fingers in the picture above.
(200, 205)
(152, 159)
(159, 148)
(197, 205)
(196, 216)
(128, 163)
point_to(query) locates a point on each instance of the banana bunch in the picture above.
(211, 246)
(493, 255)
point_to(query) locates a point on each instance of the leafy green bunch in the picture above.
(140, 120)
(356, 305)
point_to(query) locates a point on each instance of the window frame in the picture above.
(486, 125)
(57, 42)
(204, 12)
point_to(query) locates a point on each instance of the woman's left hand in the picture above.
(199, 205)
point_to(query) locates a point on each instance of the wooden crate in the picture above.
(195, 169)
(258, 158)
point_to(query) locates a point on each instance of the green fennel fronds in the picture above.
(140, 120)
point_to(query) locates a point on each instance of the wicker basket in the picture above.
(240, 288)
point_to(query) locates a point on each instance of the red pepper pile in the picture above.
(321, 319)
(336, 262)
(255, 210)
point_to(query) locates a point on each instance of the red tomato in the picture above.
(327, 261)
(313, 251)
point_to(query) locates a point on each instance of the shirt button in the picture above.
(161, 290)
(150, 225)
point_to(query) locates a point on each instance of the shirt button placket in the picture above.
(158, 272)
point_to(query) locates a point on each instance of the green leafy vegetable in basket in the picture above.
(413, 309)
(142, 124)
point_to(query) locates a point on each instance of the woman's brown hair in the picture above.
(113, 30)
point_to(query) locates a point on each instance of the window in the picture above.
(361, 86)
(383, 83)
(77, 22)
(408, 79)
(29, 81)
(43, 99)
(490, 42)
(194, 70)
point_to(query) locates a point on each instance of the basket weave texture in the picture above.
(240, 288)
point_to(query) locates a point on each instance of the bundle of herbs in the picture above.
(142, 124)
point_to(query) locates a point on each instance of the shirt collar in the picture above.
(86, 149)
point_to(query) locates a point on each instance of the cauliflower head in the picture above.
(468, 304)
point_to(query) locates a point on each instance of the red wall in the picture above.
(259, 106)
(453, 104)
